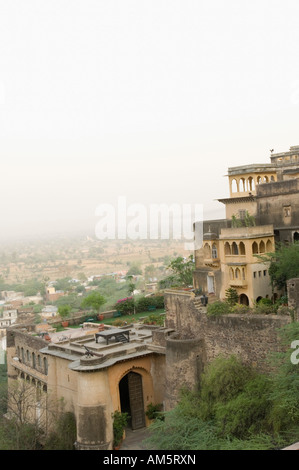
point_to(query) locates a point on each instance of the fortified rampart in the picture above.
(199, 338)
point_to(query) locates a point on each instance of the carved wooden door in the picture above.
(136, 400)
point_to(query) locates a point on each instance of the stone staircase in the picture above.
(121, 338)
(197, 301)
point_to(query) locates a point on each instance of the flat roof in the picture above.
(90, 350)
(252, 168)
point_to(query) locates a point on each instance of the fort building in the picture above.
(95, 370)
(262, 209)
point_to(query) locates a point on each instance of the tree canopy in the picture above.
(94, 300)
(283, 264)
(182, 269)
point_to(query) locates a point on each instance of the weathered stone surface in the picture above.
(200, 338)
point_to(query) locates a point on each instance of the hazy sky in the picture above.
(151, 100)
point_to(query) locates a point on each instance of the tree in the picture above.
(134, 269)
(231, 296)
(82, 277)
(93, 300)
(131, 289)
(64, 434)
(283, 264)
(23, 427)
(64, 310)
(183, 269)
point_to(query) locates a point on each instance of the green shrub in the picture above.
(284, 393)
(120, 421)
(231, 296)
(222, 381)
(218, 308)
(154, 320)
(126, 306)
(64, 435)
(143, 303)
(154, 411)
(241, 308)
(247, 413)
(235, 408)
(284, 310)
(264, 308)
(158, 301)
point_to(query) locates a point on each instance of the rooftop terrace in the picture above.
(92, 347)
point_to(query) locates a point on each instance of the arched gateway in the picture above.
(131, 399)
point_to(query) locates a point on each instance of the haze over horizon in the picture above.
(152, 101)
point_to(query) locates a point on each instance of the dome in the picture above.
(210, 235)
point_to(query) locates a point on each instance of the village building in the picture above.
(8, 318)
(52, 294)
(49, 311)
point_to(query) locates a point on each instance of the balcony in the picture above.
(238, 283)
(213, 262)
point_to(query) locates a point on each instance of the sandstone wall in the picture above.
(200, 338)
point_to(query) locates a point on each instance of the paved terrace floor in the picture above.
(134, 440)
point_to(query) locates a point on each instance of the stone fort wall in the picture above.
(198, 339)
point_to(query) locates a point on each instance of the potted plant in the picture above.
(155, 412)
(120, 421)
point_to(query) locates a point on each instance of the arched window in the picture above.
(272, 178)
(269, 246)
(255, 249)
(22, 354)
(214, 251)
(251, 185)
(259, 180)
(242, 185)
(262, 247)
(235, 188)
(235, 250)
(45, 366)
(33, 361)
(237, 273)
(231, 274)
(266, 179)
(242, 248)
(227, 249)
(28, 356)
(243, 274)
(296, 237)
(207, 250)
